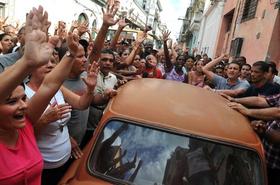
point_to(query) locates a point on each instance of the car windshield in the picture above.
(148, 156)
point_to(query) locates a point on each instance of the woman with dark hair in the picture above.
(197, 77)
(173, 71)
(176, 73)
(20, 158)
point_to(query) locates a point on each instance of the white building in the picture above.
(64, 10)
(209, 29)
(137, 12)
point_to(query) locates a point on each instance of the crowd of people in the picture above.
(55, 87)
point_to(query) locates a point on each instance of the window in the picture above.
(82, 18)
(2, 10)
(236, 46)
(127, 153)
(249, 9)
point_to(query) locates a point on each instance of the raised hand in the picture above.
(72, 41)
(175, 46)
(165, 35)
(140, 39)
(75, 24)
(147, 29)
(108, 16)
(91, 79)
(122, 23)
(3, 23)
(61, 33)
(37, 51)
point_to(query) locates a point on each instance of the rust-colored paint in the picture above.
(173, 106)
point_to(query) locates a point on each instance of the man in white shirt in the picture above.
(104, 89)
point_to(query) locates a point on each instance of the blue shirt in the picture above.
(221, 84)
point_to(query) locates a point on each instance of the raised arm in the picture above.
(168, 63)
(37, 52)
(207, 69)
(129, 60)
(83, 101)
(122, 25)
(74, 25)
(53, 81)
(108, 20)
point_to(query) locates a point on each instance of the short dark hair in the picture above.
(84, 43)
(237, 63)
(241, 60)
(181, 56)
(272, 65)
(190, 57)
(263, 66)
(219, 67)
(108, 51)
(3, 35)
(247, 65)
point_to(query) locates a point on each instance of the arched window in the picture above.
(82, 18)
(93, 25)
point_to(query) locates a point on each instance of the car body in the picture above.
(164, 132)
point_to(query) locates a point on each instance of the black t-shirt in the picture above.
(266, 90)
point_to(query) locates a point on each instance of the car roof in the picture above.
(182, 108)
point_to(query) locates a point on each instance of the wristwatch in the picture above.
(69, 54)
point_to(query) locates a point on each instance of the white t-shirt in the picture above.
(105, 82)
(53, 143)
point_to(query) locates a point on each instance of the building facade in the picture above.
(209, 29)
(137, 12)
(191, 24)
(250, 28)
(247, 28)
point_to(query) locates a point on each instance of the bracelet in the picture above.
(69, 54)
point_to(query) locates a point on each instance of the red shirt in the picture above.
(154, 73)
(22, 164)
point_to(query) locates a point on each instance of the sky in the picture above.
(172, 10)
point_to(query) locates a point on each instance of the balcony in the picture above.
(196, 20)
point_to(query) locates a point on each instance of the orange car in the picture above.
(160, 132)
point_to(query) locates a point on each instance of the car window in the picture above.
(147, 156)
